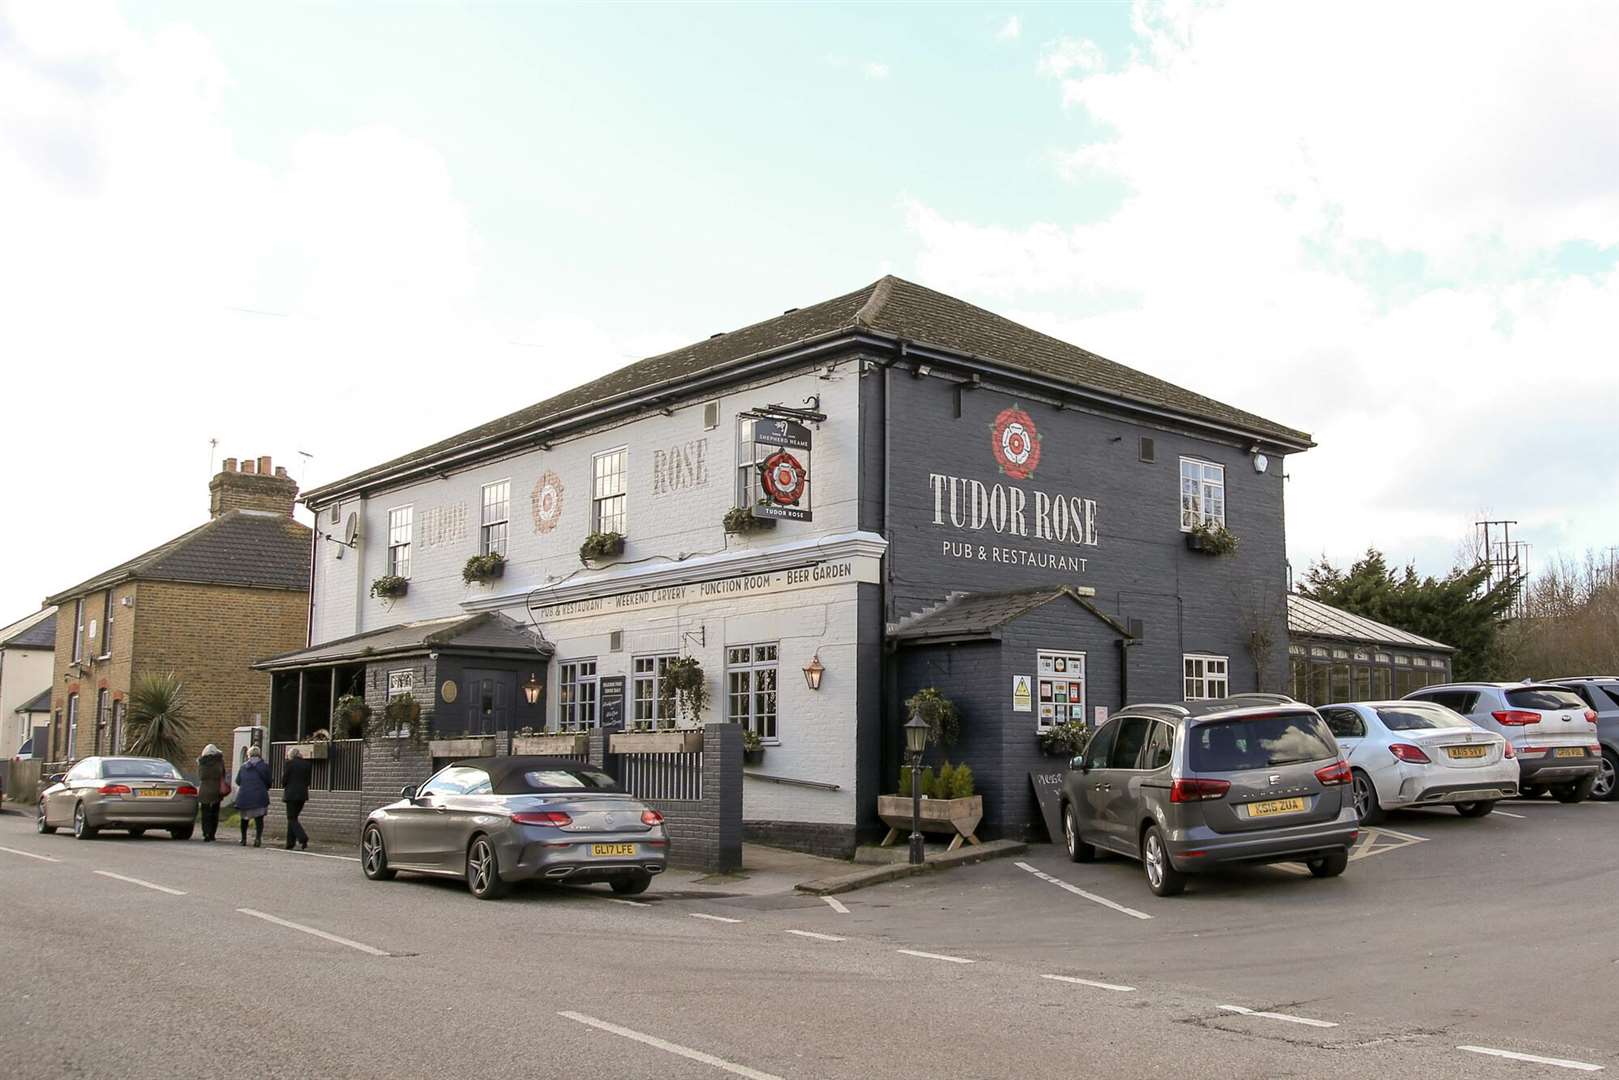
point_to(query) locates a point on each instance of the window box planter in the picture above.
(739, 521)
(599, 547)
(483, 569)
(390, 587)
(753, 757)
(313, 751)
(557, 743)
(655, 742)
(467, 746)
(957, 816)
(1211, 540)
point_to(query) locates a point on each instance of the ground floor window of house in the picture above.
(401, 683)
(103, 720)
(647, 690)
(1207, 677)
(750, 685)
(576, 696)
(72, 725)
(1060, 688)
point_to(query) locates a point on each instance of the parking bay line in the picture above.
(1505, 813)
(836, 905)
(317, 854)
(936, 956)
(1090, 982)
(1077, 891)
(711, 918)
(1287, 1017)
(367, 949)
(817, 937)
(1561, 1063)
(29, 854)
(668, 1047)
(143, 884)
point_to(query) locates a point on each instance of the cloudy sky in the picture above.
(347, 230)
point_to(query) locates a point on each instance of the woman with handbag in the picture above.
(212, 787)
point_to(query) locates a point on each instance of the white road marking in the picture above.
(1561, 1063)
(1291, 868)
(311, 930)
(668, 1047)
(711, 918)
(1077, 891)
(317, 854)
(817, 937)
(29, 854)
(1090, 982)
(631, 903)
(1503, 813)
(1288, 1017)
(936, 956)
(142, 884)
(835, 904)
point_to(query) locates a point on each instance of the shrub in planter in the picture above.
(349, 716)
(929, 784)
(938, 712)
(961, 783)
(1211, 538)
(1067, 739)
(740, 520)
(683, 691)
(943, 780)
(484, 568)
(389, 587)
(601, 545)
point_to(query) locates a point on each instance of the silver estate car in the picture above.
(130, 793)
(1186, 788)
(1552, 730)
(497, 820)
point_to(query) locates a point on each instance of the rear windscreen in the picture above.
(1420, 717)
(1259, 742)
(1539, 697)
(138, 768)
(551, 781)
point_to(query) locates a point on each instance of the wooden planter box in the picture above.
(958, 816)
(563, 743)
(753, 757)
(469, 747)
(314, 751)
(655, 742)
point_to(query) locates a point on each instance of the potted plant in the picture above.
(390, 587)
(1065, 740)
(400, 719)
(739, 520)
(599, 546)
(484, 568)
(317, 747)
(551, 743)
(349, 716)
(683, 691)
(1211, 538)
(939, 713)
(950, 804)
(753, 747)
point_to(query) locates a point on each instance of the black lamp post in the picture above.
(916, 740)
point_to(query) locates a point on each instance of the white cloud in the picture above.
(1011, 29)
(874, 69)
(1068, 58)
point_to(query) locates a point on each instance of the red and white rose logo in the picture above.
(546, 499)
(783, 478)
(1016, 443)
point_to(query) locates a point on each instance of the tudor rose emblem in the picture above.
(1016, 443)
(783, 478)
(546, 500)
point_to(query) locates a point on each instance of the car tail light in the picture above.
(113, 789)
(185, 789)
(1531, 751)
(543, 817)
(1198, 790)
(1410, 754)
(1596, 749)
(1516, 717)
(1506, 754)
(652, 818)
(1336, 773)
(1590, 716)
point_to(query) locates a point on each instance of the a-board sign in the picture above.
(612, 702)
(1048, 793)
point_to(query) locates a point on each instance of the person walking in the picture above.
(295, 792)
(212, 787)
(253, 794)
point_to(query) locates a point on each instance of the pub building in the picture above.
(828, 510)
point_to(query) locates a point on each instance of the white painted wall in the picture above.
(24, 673)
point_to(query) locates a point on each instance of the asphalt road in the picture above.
(1496, 934)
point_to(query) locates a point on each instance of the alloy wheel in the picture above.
(1155, 861)
(480, 867)
(371, 850)
(1362, 794)
(1606, 775)
(1068, 831)
(39, 823)
(79, 824)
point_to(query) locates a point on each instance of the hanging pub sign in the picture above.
(784, 473)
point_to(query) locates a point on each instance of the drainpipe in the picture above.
(309, 616)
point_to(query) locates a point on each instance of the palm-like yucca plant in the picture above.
(158, 718)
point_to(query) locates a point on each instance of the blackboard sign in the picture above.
(1048, 793)
(612, 702)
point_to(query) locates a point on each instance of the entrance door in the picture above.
(489, 697)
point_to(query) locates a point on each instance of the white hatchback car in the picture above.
(1416, 753)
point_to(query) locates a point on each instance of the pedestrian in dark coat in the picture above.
(253, 794)
(212, 787)
(295, 792)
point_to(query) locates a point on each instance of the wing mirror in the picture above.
(1078, 762)
(408, 791)
(56, 778)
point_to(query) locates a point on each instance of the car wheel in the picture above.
(82, 829)
(632, 886)
(1078, 850)
(1162, 878)
(1331, 864)
(1576, 792)
(374, 856)
(483, 870)
(39, 822)
(181, 832)
(1607, 785)
(1475, 809)
(1364, 793)
(1530, 791)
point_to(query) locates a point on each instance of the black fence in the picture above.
(342, 769)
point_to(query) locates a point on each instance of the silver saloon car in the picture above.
(129, 793)
(493, 821)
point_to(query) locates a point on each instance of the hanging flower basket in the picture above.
(349, 716)
(683, 690)
(484, 568)
(390, 587)
(601, 546)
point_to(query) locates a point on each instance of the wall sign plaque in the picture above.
(546, 501)
(449, 691)
(611, 688)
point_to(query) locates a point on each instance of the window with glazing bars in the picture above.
(646, 690)
(1202, 493)
(750, 681)
(1206, 677)
(106, 624)
(576, 696)
(609, 510)
(496, 518)
(399, 525)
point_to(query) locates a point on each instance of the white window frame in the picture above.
(401, 682)
(1045, 668)
(604, 490)
(764, 723)
(583, 713)
(104, 717)
(495, 515)
(78, 630)
(1202, 485)
(1198, 680)
(106, 625)
(72, 725)
(401, 521)
(651, 682)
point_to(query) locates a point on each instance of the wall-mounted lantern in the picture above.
(533, 689)
(813, 672)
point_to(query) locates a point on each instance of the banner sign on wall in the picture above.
(784, 475)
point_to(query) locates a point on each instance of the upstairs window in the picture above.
(399, 527)
(609, 503)
(78, 630)
(106, 624)
(496, 518)
(1202, 494)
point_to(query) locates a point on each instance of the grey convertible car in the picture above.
(131, 793)
(498, 820)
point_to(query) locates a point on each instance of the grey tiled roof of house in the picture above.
(40, 702)
(484, 632)
(891, 307)
(252, 548)
(1312, 618)
(40, 635)
(979, 615)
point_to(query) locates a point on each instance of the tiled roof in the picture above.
(484, 632)
(891, 307)
(1312, 618)
(253, 548)
(40, 702)
(979, 615)
(38, 631)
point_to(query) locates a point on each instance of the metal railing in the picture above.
(665, 777)
(343, 768)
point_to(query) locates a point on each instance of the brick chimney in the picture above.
(253, 486)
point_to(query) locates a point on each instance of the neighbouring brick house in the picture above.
(204, 606)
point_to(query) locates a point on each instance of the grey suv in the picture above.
(1552, 731)
(1601, 693)
(1186, 788)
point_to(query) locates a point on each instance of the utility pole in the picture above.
(1504, 557)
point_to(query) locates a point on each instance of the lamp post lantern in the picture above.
(916, 740)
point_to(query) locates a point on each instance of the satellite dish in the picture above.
(351, 529)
